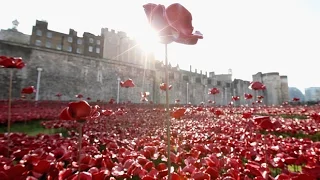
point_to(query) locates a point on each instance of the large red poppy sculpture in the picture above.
(80, 111)
(173, 24)
(214, 92)
(11, 63)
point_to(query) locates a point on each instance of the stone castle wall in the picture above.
(71, 74)
(277, 90)
(14, 36)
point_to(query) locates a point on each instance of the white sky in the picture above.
(247, 36)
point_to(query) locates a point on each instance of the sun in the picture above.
(148, 40)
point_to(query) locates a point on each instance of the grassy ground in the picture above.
(287, 116)
(31, 128)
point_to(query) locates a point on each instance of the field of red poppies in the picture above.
(130, 142)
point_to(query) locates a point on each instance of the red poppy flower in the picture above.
(128, 83)
(58, 95)
(112, 101)
(80, 110)
(157, 19)
(145, 94)
(214, 91)
(181, 19)
(257, 86)
(107, 112)
(177, 101)
(295, 99)
(246, 115)
(260, 97)
(11, 62)
(79, 96)
(235, 98)
(178, 113)
(163, 86)
(248, 96)
(173, 23)
(28, 90)
(144, 99)
(88, 98)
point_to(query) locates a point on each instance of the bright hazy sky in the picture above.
(246, 36)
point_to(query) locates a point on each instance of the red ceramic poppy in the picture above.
(144, 99)
(257, 86)
(260, 97)
(157, 19)
(177, 101)
(112, 101)
(145, 94)
(248, 96)
(79, 96)
(128, 83)
(107, 112)
(173, 23)
(22, 96)
(235, 98)
(11, 62)
(163, 86)
(211, 102)
(178, 113)
(214, 91)
(246, 115)
(80, 110)
(58, 95)
(181, 19)
(295, 99)
(28, 90)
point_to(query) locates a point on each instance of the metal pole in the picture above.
(9, 102)
(204, 94)
(168, 113)
(118, 92)
(187, 93)
(38, 83)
